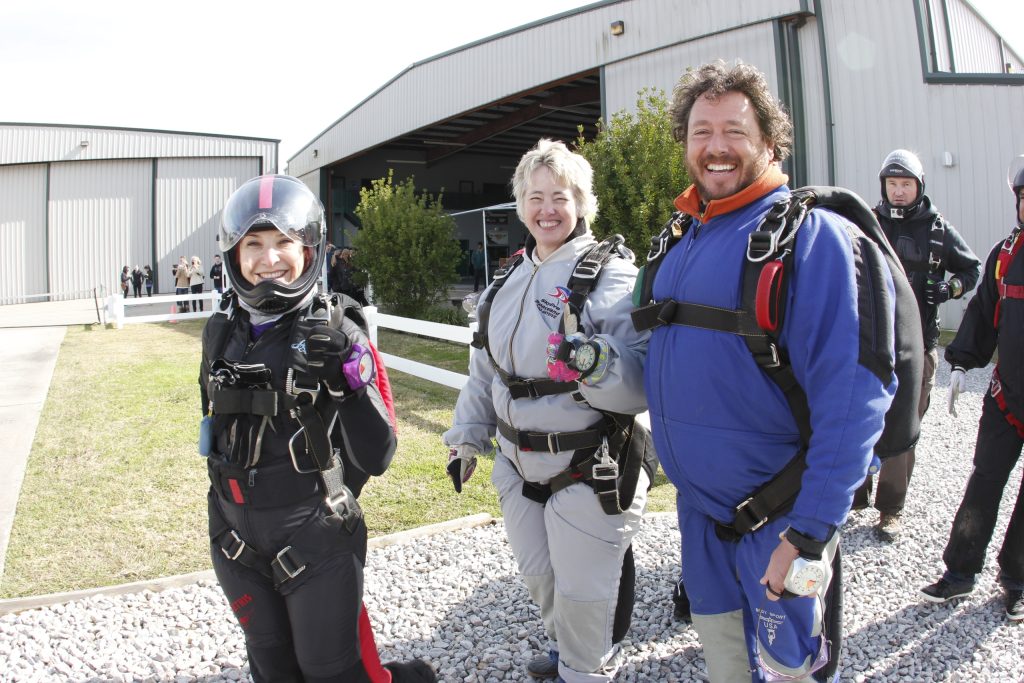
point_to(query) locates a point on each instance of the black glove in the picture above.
(936, 292)
(326, 350)
(413, 671)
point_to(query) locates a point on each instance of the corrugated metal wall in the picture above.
(662, 69)
(812, 88)
(521, 60)
(880, 102)
(190, 194)
(100, 219)
(21, 144)
(102, 213)
(22, 232)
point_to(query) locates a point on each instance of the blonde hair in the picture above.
(569, 168)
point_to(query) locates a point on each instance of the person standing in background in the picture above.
(217, 274)
(195, 281)
(928, 246)
(181, 281)
(478, 262)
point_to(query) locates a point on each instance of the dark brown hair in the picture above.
(717, 78)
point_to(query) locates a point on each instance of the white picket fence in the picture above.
(117, 307)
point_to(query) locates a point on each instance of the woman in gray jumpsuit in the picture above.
(574, 557)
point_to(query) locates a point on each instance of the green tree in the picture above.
(638, 170)
(406, 246)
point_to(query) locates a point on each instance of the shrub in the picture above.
(406, 246)
(638, 170)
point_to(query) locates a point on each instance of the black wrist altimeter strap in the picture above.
(809, 547)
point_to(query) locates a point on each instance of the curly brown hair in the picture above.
(717, 78)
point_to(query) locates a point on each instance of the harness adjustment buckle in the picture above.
(586, 270)
(773, 349)
(234, 555)
(553, 442)
(743, 507)
(286, 565)
(762, 244)
(605, 471)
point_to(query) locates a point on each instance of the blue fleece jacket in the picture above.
(721, 426)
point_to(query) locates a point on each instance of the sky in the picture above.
(280, 70)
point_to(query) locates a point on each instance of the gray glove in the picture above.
(461, 464)
(957, 385)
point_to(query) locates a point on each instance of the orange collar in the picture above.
(689, 201)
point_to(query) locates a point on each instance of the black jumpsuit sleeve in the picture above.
(960, 261)
(976, 338)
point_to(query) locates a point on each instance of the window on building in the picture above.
(957, 40)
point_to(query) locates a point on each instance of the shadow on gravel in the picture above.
(492, 633)
(923, 651)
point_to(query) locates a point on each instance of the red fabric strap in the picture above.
(368, 650)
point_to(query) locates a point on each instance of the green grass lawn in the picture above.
(115, 492)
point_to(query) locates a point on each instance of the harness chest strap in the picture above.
(597, 470)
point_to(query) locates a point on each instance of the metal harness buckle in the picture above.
(586, 270)
(293, 387)
(774, 350)
(286, 565)
(241, 547)
(342, 500)
(291, 452)
(605, 469)
(553, 442)
(742, 506)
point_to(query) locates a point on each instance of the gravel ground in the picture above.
(455, 600)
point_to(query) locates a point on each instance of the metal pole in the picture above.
(487, 260)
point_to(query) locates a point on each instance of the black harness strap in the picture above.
(592, 464)
(261, 402)
(936, 243)
(518, 387)
(553, 442)
(284, 566)
(771, 241)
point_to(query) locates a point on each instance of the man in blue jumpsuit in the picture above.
(722, 427)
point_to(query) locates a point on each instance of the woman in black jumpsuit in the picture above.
(293, 428)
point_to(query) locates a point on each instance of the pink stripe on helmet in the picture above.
(267, 192)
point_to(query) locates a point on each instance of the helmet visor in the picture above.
(281, 201)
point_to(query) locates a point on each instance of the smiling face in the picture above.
(551, 213)
(270, 255)
(725, 150)
(900, 191)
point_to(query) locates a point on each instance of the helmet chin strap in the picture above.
(257, 317)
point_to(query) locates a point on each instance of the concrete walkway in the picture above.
(30, 354)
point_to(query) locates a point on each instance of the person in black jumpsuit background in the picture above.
(928, 246)
(994, 321)
(286, 384)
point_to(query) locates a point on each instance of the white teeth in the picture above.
(271, 276)
(721, 167)
(547, 224)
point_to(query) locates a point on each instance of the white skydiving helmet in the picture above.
(284, 203)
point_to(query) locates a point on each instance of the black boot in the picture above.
(413, 671)
(681, 610)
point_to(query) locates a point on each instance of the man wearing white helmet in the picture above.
(929, 247)
(994, 321)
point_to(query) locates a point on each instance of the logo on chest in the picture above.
(551, 305)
